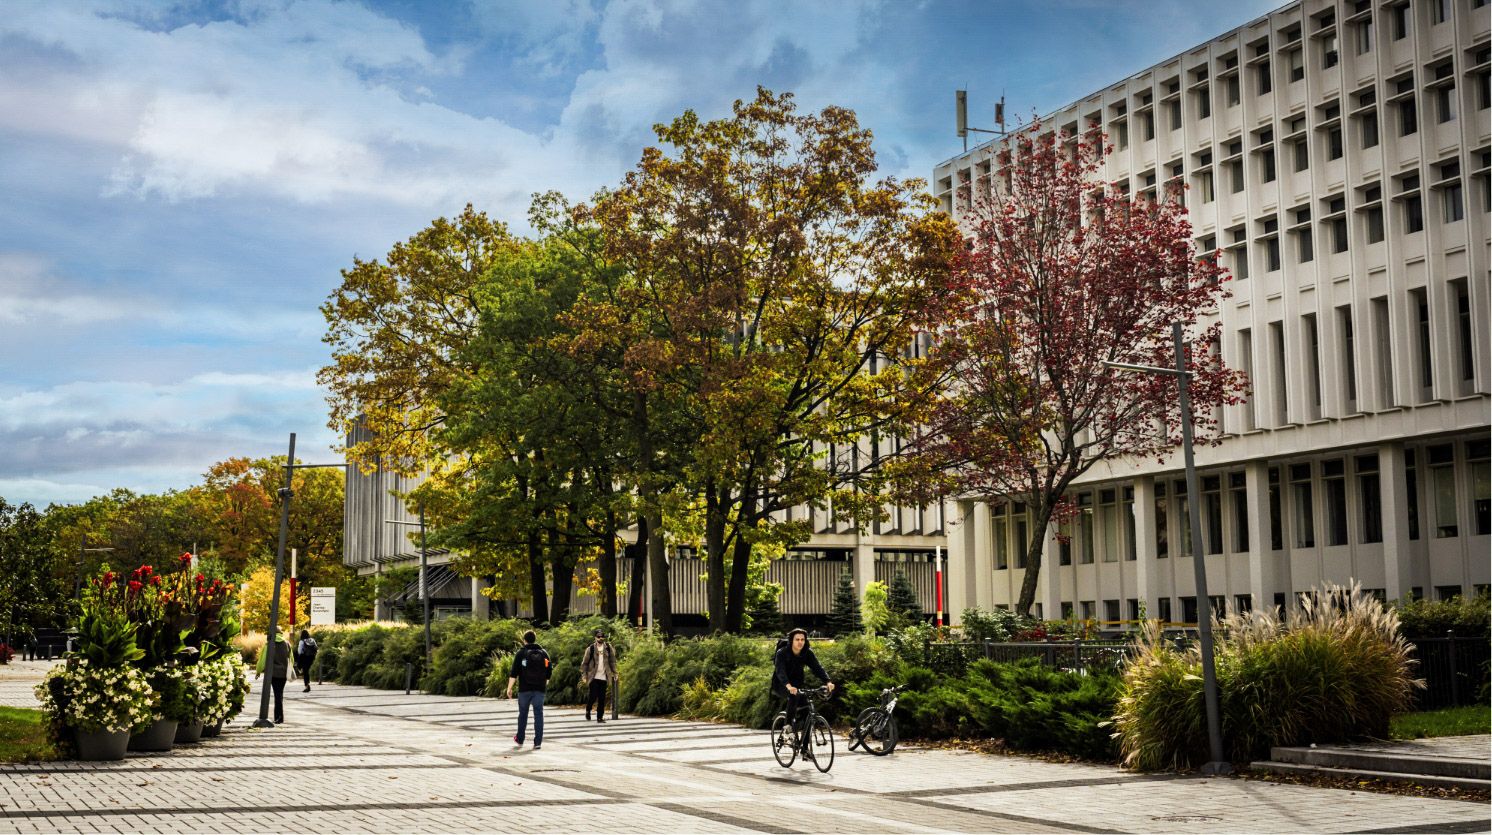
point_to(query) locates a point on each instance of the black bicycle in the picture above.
(875, 729)
(813, 738)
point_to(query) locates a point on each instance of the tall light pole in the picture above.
(424, 573)
(1219, 763)
(286, 494)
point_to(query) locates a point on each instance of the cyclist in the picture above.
(792, 656)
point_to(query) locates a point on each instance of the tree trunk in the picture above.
(658, 568)
(562, 562)
(740, 565)
(538, 588)
(1034, 550)
(608, 567)
(715, 520)
(638, 553)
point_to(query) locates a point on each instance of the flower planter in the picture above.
(102, 746)
(188, 732)
(158, 737)
(212, 730)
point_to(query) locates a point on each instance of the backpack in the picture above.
(533, 668)
(305, 651)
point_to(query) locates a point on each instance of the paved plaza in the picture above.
(351, 759)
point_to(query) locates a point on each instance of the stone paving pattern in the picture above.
(351, 759)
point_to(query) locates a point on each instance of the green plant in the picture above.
(1336, 669)
(24, 736)
(240, 685)
(82, 697)
(1464, 617)
(844, 616)
(993, 624)
(461, 663)
(179, 699)
(1469, 720)
(901, 602)
(215, 686)
(874, 612)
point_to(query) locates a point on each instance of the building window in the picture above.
(1238, 489)
(1212, 513)
(1276, 514)
(1349, 357)
(1370, 498)
(1022, 534)
(1305, 249)
(1203, 97)
(1452, 209)
(1183, 520)
(1399, 18)
(1111, 611)
(1463, 331)
(1445, 103)
(1163, 609)
(1085, 528)
(1127, 519)
(1305, 505)
(1244, 603)
(1329, 56)
(1264, 77)
(1334, 484)
(1481, 488)
(1411, 490)
(1064, 543)
(1189, 610)
(1108, 522)
(1384, 358)
(1162, 540)
(999, 528)
(1443, 489)
(1371, 198)
(1367, 122)
(1364, 39)
(1132, 607)
(1280, 372)
(1408, 117)
(1421, 304)
(1296, 64)
(1300, 152)
(1445, 593)
(1336, 223)
(1246, 365)
(1438, 12)
(1312, 335)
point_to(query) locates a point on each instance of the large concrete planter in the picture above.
(209, 731)
(188, 732)
(102, 746)
(158, 737)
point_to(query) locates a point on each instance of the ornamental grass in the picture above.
(1335, 669)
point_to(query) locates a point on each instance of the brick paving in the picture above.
(356, 760)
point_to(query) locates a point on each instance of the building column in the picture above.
(1049, 583)
(1393, 487)
(958, 578)
(1147, 579)
(1262, 582)
(863, 565)
(480, 605)
(981, 558)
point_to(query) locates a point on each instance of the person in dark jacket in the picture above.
(531, 669)
(305, 656)
(278, 655)
(793, 655)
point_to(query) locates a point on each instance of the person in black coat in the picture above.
(793, 656)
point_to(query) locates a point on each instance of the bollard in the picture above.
(616, 685)
(408, 677)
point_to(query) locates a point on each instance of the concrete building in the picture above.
(1337, 156)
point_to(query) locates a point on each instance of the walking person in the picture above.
(531, 669)
(305, 655)
(278, 656)
(598, 668)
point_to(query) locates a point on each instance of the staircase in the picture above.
(1455, 762)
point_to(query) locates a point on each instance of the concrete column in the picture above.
(480, 605)
(960, 568)
(1049, 584)
(864, 565)
(1262, 581)
(981, 558)
(1147, 568)
(1398, 572)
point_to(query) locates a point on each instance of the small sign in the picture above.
(323, 605)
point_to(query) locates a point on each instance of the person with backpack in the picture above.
(305, 654)
(597, 669)
(531, 669)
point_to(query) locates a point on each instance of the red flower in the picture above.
(186, 556)
(200, 578)
(155, 581)
(134, 586)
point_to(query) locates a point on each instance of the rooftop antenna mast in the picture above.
(961, 101)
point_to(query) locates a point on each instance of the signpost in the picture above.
(323, 605)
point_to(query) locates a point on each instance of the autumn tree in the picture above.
(767, 273)
(1062, 274)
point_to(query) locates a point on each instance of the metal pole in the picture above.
(274, 598)
(1219, 763)
(424, 584)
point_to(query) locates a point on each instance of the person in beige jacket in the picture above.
(597, 669)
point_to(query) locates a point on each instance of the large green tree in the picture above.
(36, 578)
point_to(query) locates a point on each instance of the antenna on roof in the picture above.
(961, 103)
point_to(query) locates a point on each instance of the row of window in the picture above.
(1106, 529)
(1133, 611)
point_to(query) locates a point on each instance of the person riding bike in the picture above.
(792, 656)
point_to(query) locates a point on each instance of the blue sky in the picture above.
(180, 183)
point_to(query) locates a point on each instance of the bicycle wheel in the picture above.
(876, 730)
(821, 741)
(784, 747)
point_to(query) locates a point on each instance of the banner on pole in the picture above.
(323, 605)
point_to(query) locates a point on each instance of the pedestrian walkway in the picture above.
(350, 759)
(1454, 762)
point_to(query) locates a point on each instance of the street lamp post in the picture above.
(424, 574)
(1219, 763)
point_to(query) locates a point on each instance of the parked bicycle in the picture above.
(812, 737)
(875, 729)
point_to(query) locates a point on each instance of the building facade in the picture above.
(1337, 159)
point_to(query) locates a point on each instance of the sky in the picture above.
(181, 183)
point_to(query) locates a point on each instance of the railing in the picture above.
(1455, 671)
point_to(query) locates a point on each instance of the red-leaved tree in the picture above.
(1061, 274)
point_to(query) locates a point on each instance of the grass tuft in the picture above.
(1450, 721)
(23, 736)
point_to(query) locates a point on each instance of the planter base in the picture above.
(158, 737)
(188, 732)
(102, 746)
(209, 731)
